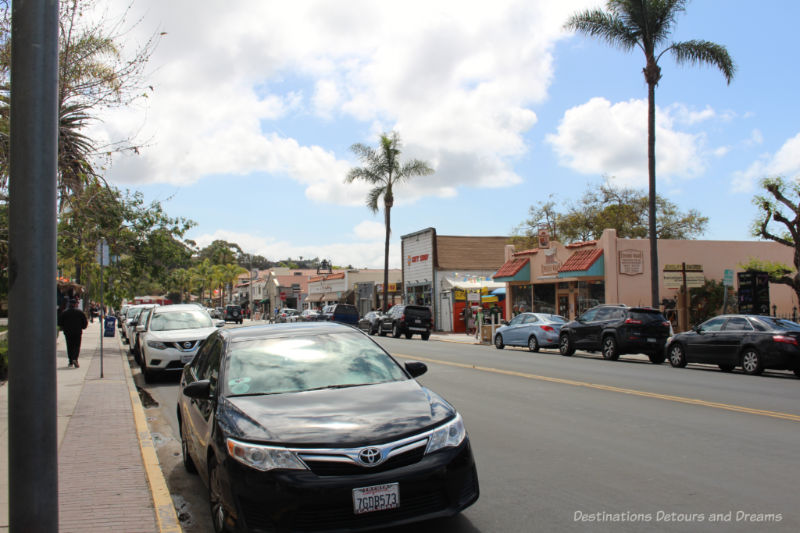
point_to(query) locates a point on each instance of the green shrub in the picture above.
(3, 358)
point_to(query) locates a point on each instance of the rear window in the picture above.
(647, 316)
(778, 323)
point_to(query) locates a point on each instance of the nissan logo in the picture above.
(187, 345)
(370, 456)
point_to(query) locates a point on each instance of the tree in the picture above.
(231, 273)
(203, 276)
(647, 24)
(220, 252)
(603, 207)
(382, 169)
(781, 206)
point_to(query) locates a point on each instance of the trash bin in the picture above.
(109, 325)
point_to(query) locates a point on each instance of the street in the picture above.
(580, 443)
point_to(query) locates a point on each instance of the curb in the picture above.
(166, 517)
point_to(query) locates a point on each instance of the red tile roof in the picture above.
(511, 267)
(581, 244)
(527, 252)
(581, 260)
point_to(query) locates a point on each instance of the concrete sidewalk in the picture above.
(109, 478)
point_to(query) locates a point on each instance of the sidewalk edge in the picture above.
(162, 500)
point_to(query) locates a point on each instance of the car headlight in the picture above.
(449, 435)
(263, 458)
(157, 345)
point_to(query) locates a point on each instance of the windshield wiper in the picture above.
(343, 386)
(251, 394)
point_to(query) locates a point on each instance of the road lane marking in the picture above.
(609, 388)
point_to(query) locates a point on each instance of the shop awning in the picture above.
(515, 269)
(330, 297)
(473, 285)
(316, 297)
(583, 263)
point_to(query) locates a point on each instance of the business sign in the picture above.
(631, 262)
(679, 268)
(674, 280)
(727, 279)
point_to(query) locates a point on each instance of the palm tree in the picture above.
(202, 274)
(181, 279)
(647, 24)
(231, 274)
(383, 170)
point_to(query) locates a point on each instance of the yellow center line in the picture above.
(609, 388)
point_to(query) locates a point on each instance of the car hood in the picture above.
(176, 335)
(335, 417)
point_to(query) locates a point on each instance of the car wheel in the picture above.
(138, 358)
(188, 462)
(657, 358)
(372, 330)
(425, 336)
(533, 344)
(565, 346)
(395, 331)
(797, 372)
(610, 348)
(219, 516)
(409, 334)
(726, 367)
(498, 342)
(751, 362)
(149, 377)
(381, 332)
(677, 356)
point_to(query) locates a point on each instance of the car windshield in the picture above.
(172, 320)
(305, 362)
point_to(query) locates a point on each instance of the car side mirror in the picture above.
(416, 368)
(199, 390)
(140, 329)
(220, 324)
(697, 329)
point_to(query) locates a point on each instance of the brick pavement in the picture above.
(108, 476)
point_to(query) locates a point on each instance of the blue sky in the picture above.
(254, 109)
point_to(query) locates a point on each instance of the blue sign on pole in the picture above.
(727, 280)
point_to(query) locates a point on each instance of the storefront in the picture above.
(568, 279)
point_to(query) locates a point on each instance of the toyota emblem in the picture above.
(370, 456)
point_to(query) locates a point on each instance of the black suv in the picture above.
(343, 313)
(617, 330)
(407, 320)
(233, 313)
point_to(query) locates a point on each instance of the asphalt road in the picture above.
(582, 444)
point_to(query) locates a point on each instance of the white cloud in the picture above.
(441, 74)
(785, 162)
(599, 137)
(367, 253)
(370, 231)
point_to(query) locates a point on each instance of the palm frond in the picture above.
(699, 51)
(606, 26)
(373, 196)
(415, 167)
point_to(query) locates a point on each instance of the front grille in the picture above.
(327, 468)
(184, 346)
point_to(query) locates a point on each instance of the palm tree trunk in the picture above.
(651, 163)
(388, 211)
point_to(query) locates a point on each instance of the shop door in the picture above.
(459, 324)
(563, 305)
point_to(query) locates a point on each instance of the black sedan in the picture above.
(753, 342)
(313, 426)
(371, 322)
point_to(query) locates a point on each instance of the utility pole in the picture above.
(33, 435)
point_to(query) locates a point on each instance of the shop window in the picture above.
(590, 294)
(544, 298)
(521, 298)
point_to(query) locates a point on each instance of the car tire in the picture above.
(677, 356)
(797, 372)
(751, 362)
(409, 334)
(726, 367)
(565, 345)
(657, 358)
(533, 344)
(372, 331)
(425, 336)
(395, 331)
(610, 351)
(219, 517)
(381, 332)
(498, 342)
(188, 462)
(149, 376)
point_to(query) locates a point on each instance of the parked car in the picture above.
(407, 320)
(233, 313)
(282, 424)
(617, 330)
(534, 330)
(219, 312)
(132, 320)
(371, 322)
(172, 336)
(288, 314)
(343, 313)
(138, 331)
(309, 315)
(752, 342)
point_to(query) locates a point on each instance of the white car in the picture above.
(172, 336)
(128, 327)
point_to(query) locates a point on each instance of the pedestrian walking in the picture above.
(72, 322)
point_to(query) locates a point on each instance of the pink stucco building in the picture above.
(567, 279)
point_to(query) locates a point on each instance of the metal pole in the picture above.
(102, 306)
(33, 440)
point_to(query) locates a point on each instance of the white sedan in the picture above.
(172, 336)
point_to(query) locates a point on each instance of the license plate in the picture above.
(418, 321)
(187, 358)
(651, 339)
(376, 498)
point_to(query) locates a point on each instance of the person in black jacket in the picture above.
(72, 322)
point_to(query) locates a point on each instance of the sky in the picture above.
(254, 105)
